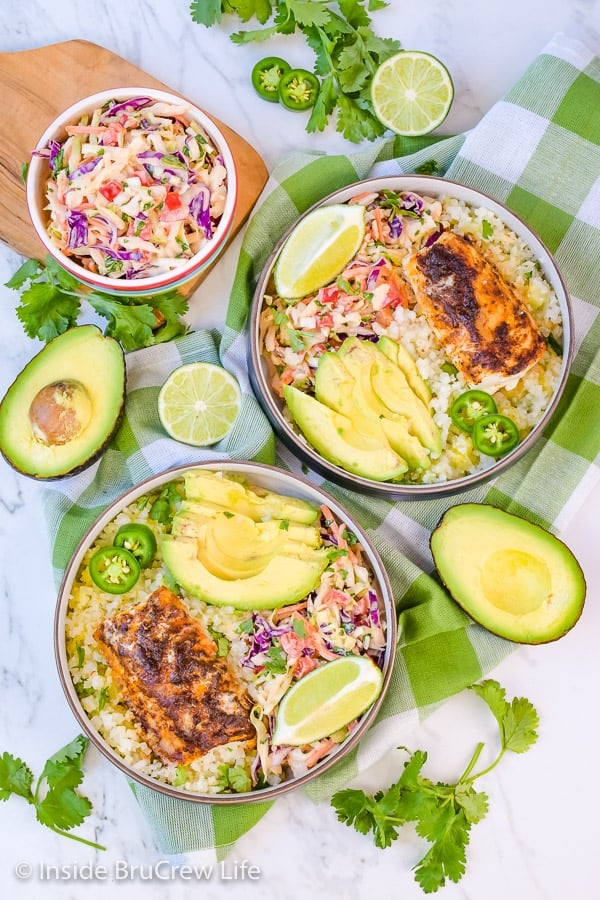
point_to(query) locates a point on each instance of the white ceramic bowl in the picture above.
(274, 406)
(39, 172)
(271, 479)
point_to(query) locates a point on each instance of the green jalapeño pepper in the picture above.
(471, 406)
(114, 569)
(298, 89)
(495, 435)
(139, 540)
(266, 76)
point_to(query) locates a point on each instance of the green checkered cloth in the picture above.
(538, 151)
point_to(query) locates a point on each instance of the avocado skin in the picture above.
(97, 452)
(520, 524)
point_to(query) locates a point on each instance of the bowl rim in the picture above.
(272, 406)
(302, 487)
(205, 255)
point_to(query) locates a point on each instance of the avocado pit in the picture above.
(60, 412)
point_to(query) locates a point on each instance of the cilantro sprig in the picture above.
(51, 302)
(347, 52)
(443, 813)
(57, 803)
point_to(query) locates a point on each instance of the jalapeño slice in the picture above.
(139, 540)
(266, 76)
(471, 406)
(495, 435)
(114, 569)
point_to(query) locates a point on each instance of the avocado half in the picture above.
(513, 577)
(64, 407)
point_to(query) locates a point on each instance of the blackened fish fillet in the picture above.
(483, 326)
(184, 696)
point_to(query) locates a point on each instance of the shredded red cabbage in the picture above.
(412, 203)
(200, 210)
(78, 228)
(433, 237)
(134, 103)
(374, 608)
(85, 168)
(134, 255)
(395, 225)
(374, 273)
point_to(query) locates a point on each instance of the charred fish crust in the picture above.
(452, 290)
(478, 318)
(185, 698)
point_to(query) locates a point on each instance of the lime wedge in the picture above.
(319, 247)
(198, 403)
(412, 92)
(326, 699)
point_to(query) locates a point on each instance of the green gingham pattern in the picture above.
(538, 151)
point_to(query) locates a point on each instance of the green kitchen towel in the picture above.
(538, 151)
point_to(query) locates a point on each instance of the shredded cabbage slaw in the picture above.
(341, 617)
(135, 190)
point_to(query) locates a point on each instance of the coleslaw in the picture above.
(136, 189)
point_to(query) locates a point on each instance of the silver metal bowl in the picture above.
(274, 406)
(272, 479)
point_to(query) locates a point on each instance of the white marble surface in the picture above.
(540, 837)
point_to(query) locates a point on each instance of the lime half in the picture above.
(327, 699)
(412, 92)
(319, 247)
(198, 403)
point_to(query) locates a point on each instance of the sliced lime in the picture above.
(326, 699)
(412, 92)
(198, 403)
(319, 247)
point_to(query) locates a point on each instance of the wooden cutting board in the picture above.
(38, 84)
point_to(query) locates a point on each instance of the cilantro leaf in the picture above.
(15, 777)
(487, 230)
(474, 803)
(352, 73)
(324, 106)
(50, 303)
(61, 807)
(233, 778)
(356, 122)
(46, 312)
(30, 269)
(495, 697)
(307, 12)
(520, 724)
(165, 506)
(347, 52)
(276, 663)
(443, 813)
(299, 628)
(206, 12)
(131, 325)
(182, 775)
(429, 167)
(239, 779)
(447, 856)
(168, 308)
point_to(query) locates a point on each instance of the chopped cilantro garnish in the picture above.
(299, 628)
(487, 230)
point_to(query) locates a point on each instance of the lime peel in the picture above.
(327, 699)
